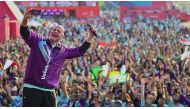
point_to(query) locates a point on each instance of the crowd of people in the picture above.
(146, 49)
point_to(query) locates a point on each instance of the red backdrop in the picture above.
(155, 12)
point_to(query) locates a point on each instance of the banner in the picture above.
(75, 11)
(107, 45)
(116, 76)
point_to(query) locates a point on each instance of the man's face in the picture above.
(149, 99)
(56, 34)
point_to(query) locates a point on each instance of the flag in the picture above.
(94, 72)
(123, 69)
(103, 70)
(185, 54)
(185, 42)
(8, 63)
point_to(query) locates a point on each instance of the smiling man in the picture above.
(45, 62)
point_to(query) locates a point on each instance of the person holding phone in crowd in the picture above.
(45, 62)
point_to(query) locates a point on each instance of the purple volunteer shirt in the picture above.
(45, 62)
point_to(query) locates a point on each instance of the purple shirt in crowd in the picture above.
(45, 62)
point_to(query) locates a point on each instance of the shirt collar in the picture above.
(53, 46)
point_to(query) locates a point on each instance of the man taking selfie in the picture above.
(45, 62)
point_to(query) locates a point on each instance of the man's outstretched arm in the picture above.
(79, 51)
(29, 37)
(24, 31)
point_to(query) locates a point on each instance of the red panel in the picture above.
(5, 30)
(87, 12)
(172, 12)
(14, 30)
(160, 13)
(185, 18)
(183, 14)
(5, 10)
(159, 3)
(2, 36)
(122, 11)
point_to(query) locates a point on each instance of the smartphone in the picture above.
(36, 12)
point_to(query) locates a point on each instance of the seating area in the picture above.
(158, 10)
